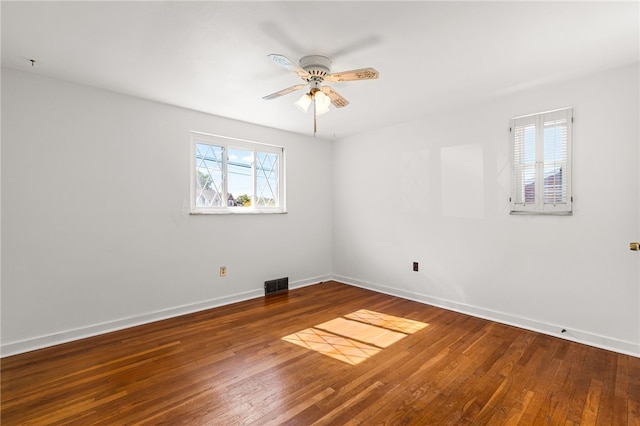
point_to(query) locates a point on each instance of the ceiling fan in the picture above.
(315, 70)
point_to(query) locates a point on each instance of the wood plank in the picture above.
(230, 365)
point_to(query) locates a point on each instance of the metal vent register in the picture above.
(276, 286)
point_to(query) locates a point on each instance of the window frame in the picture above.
(226, 142)
(540, 206)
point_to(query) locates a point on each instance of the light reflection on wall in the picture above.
(355, 337)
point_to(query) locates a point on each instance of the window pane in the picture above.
(267, 179)
(232, 176)
(240, 175)
(208, 175)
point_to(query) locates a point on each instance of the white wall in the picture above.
(436, 191)
(96, 233)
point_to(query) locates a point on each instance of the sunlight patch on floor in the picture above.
(355, 337)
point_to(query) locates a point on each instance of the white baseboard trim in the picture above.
(578, 336)
(309, 281)
(27, 345)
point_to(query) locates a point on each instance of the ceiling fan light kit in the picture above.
(322, 102)
(303, 103)
(316, 69)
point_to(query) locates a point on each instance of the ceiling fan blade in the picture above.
(286, 62)
(284, 91)
(336, 99)
(359, 74)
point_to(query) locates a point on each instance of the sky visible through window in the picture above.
(239, 171)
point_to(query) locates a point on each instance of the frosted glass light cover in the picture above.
(303, 103)
(322, 103)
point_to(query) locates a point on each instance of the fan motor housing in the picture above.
(316, 65)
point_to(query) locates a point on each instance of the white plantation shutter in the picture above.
(524, 188)
(541, 173)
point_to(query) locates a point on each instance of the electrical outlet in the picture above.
(223, 271)
(415, 266)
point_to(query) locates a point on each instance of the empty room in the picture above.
(320, 212)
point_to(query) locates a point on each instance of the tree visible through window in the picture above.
(542, 162)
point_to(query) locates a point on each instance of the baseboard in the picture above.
(579, 336)
(308, 282)
(14, 348)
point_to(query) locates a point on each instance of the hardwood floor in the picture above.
(375, 360)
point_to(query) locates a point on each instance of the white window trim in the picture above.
(228, 142)
(539, 207)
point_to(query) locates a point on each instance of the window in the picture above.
(542, 163)
(235, 176)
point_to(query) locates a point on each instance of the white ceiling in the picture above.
(212, 56)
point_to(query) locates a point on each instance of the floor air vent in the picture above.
(276, 286)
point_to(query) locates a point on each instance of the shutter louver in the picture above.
(524, 163)
(555, 160)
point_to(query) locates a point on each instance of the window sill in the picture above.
(524, 213)
(227, 212)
